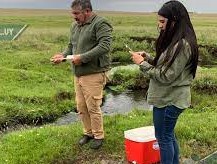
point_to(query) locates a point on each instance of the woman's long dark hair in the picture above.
(178, 27)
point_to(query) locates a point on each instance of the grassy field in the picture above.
(35, 92)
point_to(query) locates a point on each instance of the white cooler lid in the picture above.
(143, 134)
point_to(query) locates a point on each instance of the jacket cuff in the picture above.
(145, 66)
(84, 58)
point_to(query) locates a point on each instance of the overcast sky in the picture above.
(201, 6)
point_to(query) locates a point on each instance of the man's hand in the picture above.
(57, 58)
(76, 60)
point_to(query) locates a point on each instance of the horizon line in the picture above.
(19, 8)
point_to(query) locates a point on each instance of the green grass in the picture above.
(31, 86)
(206, 80)
(58, 143)
(33, 89)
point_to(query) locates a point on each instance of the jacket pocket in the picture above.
(104, 61)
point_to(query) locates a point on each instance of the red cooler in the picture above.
(141, 146)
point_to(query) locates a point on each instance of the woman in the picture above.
(171, 73)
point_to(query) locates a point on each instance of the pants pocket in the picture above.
(98, 100)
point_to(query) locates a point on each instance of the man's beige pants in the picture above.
(89, 94)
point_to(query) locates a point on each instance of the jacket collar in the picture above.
(90, 19)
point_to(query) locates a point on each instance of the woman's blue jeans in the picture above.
(164, 122)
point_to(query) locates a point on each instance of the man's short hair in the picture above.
(85, 4)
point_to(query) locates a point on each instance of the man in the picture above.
(90, 44)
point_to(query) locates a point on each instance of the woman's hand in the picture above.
(137, 57)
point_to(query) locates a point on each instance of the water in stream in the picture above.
(125, 102)
(114, 104)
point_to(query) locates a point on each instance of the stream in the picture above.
(114, 103)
